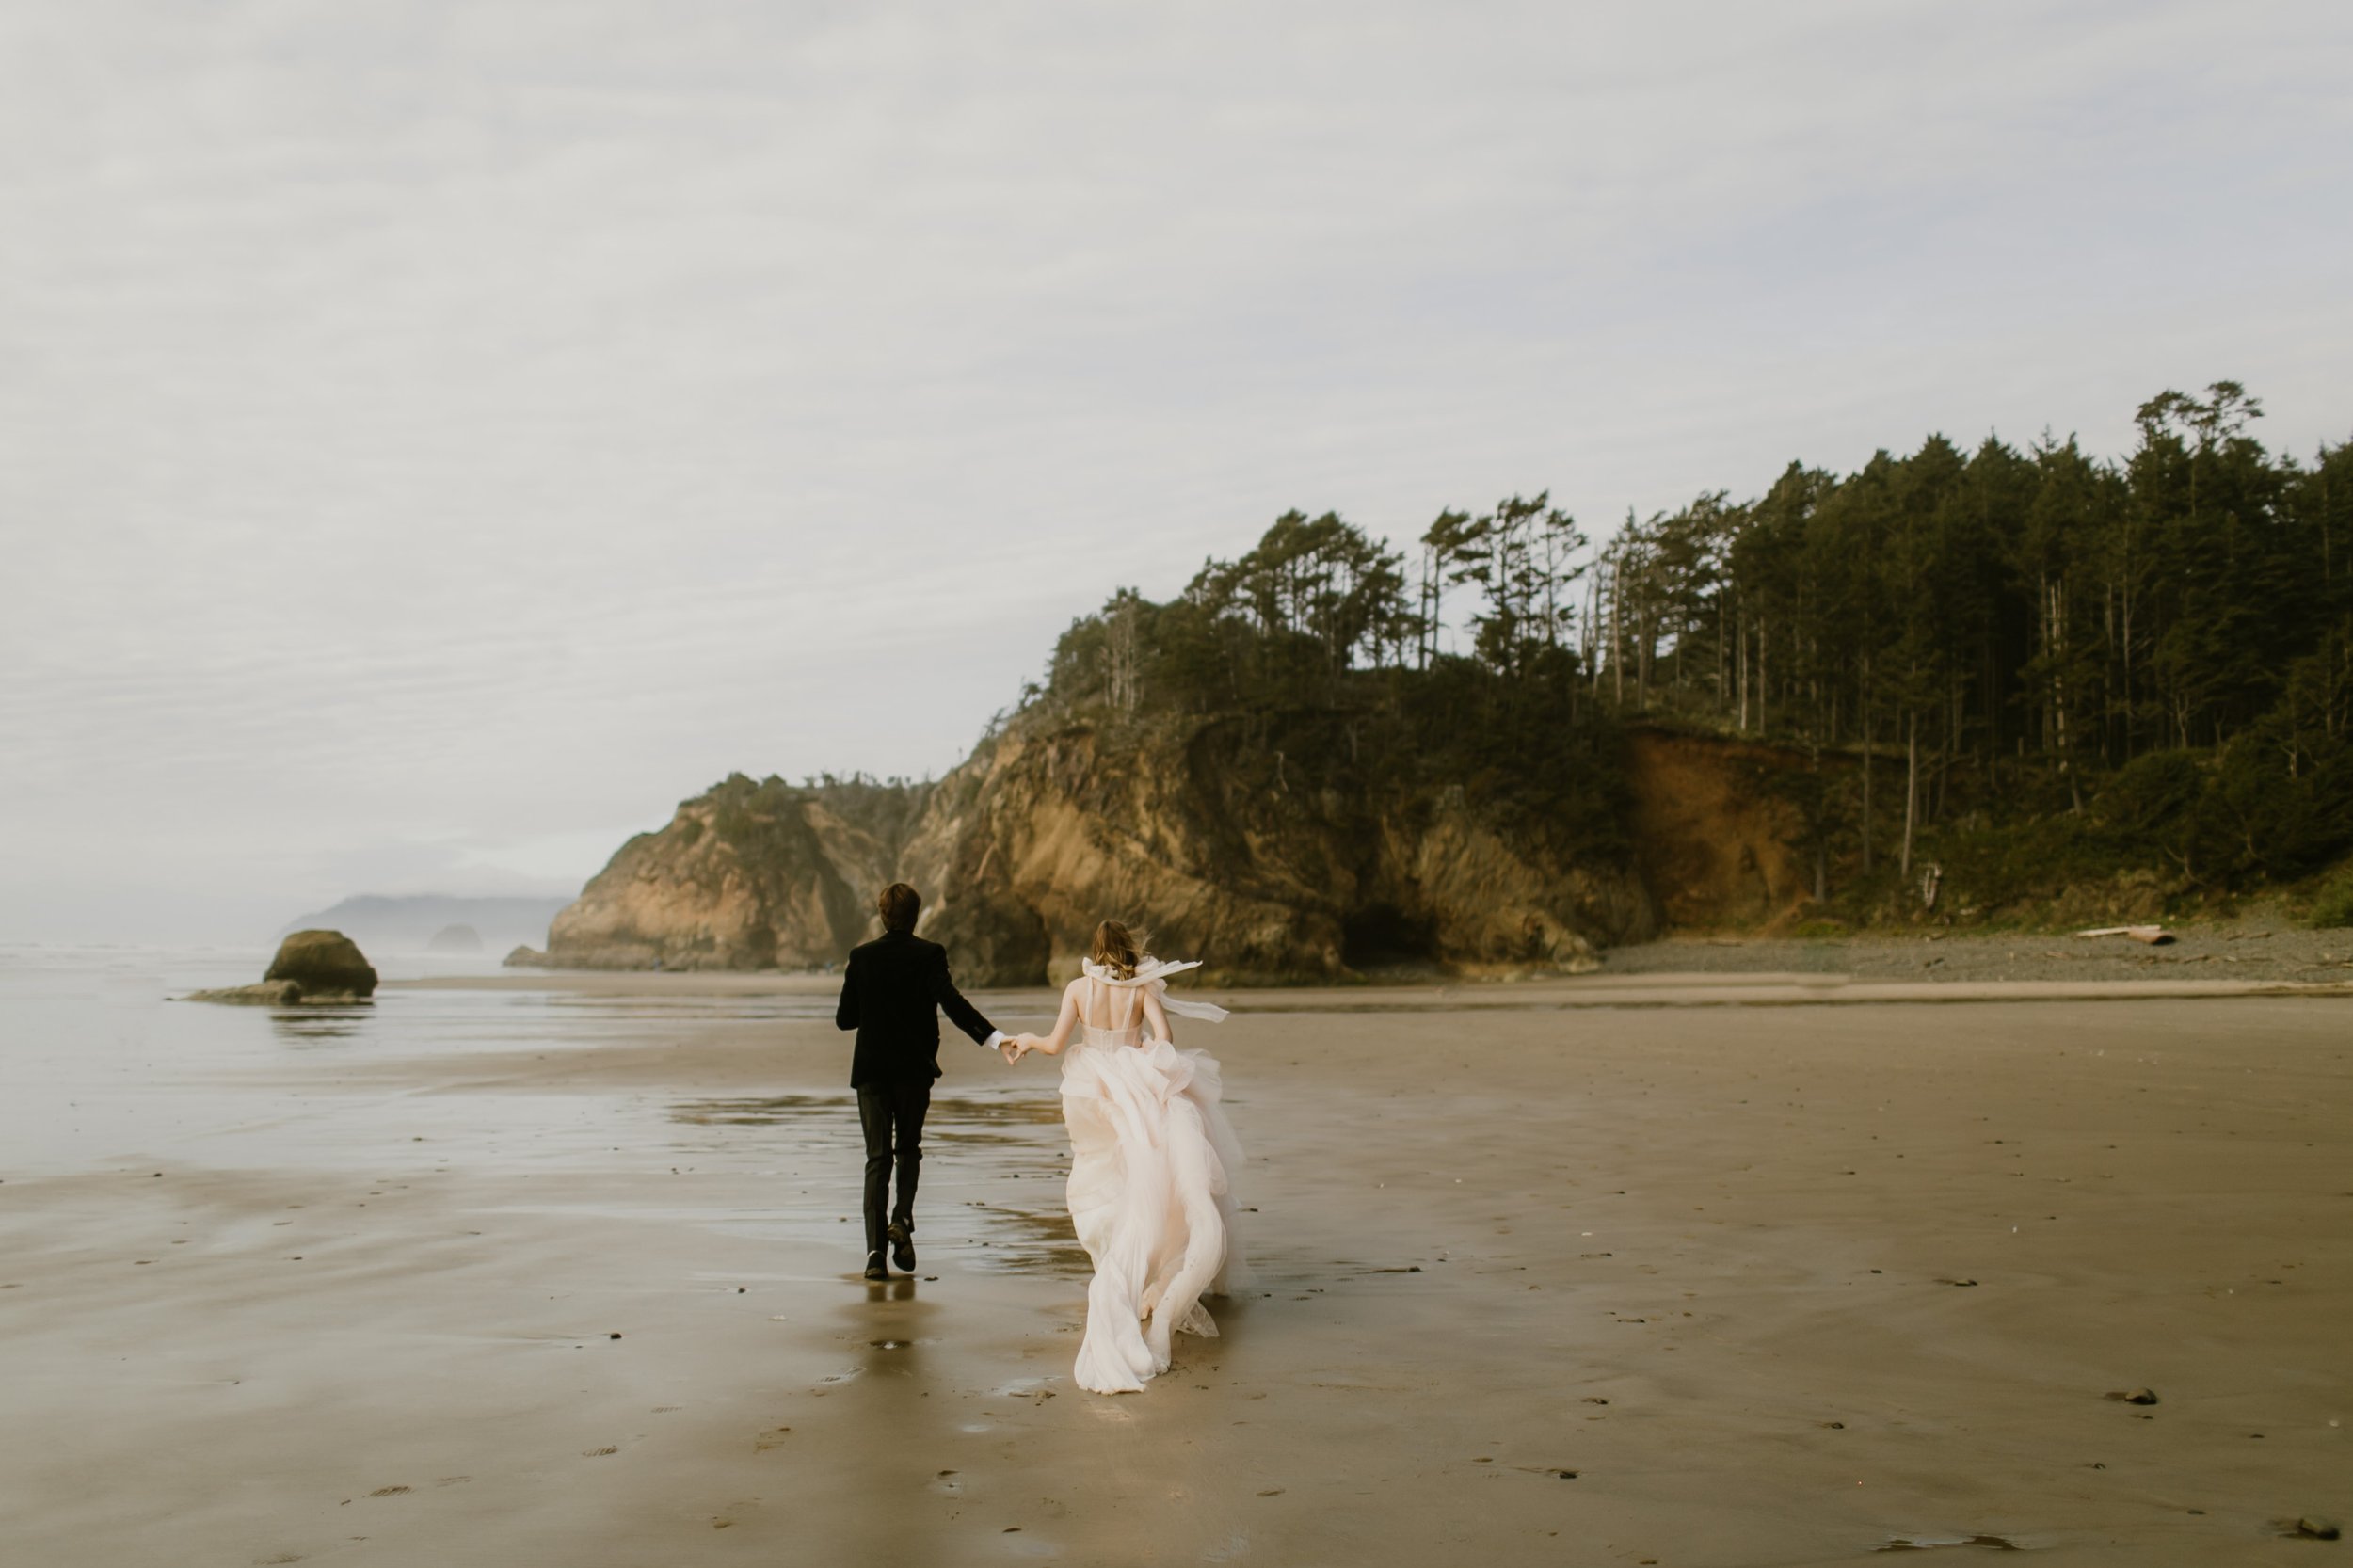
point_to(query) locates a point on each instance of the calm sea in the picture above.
(100, 1068)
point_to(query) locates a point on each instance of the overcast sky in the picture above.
(437, 437)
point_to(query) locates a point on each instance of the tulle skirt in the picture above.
(1150, 1196)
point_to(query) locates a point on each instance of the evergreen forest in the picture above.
(1995, 671)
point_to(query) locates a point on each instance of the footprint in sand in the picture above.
(769, 1439)
(599, 1453)
(388, 1492)
(276, 1562)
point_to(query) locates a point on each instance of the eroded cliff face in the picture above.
(1712, 839)
(1227, 851)
(1233, 855)
(749, 876)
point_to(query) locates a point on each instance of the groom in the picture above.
(891, 995)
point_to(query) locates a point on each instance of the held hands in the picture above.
(1016, 1047)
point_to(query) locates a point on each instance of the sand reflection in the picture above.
(1024, 1133)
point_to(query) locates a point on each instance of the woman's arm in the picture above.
(1052, 1044)
(1156, 1016)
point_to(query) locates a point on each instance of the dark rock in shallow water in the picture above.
(325, 964)
(268, 993)
(455, 938)
(525, 958)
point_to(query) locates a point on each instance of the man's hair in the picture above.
(900, 905)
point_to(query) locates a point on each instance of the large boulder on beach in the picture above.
(324, 963)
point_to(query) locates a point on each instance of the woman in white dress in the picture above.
(1150, 1157)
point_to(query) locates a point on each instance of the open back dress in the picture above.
(1152, 1159)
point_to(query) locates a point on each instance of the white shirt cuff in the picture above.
(996, 1037)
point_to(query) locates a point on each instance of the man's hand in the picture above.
(1010, 1050)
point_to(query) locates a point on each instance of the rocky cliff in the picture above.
(1226, 850)
(746, 877)
(1239, 857)
(1714, 842)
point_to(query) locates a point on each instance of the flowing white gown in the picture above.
(1151, 1156)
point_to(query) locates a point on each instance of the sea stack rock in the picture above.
(326, 964)
(455, 938)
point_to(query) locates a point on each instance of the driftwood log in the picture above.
(2155, 936)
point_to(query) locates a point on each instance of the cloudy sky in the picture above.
(437, 437)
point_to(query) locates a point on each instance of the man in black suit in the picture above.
(892, 994)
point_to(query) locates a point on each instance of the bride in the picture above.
(1150, 1152)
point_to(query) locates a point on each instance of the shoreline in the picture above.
(2209, 959)
(1669, 989)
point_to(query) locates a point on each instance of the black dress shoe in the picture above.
(874, 1268)
(902, 1247)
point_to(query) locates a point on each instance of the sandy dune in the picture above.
(1616, 1282)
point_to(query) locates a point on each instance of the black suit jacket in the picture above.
(892, 994)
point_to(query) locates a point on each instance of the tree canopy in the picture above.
(1995, 631)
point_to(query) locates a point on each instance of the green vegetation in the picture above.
(2333, 907)
(2001, 674)
(1311, 655)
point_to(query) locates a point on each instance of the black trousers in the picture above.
(892, 1113)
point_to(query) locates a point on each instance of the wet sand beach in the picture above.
(1650, 1269)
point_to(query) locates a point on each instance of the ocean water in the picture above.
(103, 1069)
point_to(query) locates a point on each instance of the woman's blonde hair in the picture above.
(1116, 950)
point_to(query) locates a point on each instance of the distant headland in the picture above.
(435, 922)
